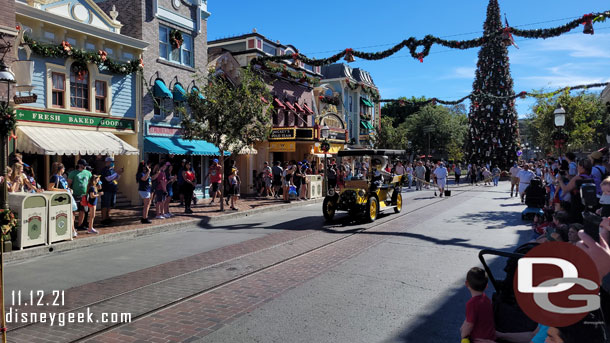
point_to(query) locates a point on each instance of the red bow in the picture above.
(103, 55)
(420, 57)
(66, 46)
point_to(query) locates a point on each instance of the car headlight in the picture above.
(361, 193)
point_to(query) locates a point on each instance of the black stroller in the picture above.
(508, 317)
(535, 196)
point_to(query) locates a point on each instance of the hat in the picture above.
(233, 170)
(82, 162)
(266, 162)
(596, 155)
(215, 160)
(109, 159)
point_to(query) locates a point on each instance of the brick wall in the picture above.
(7, 24)
(130, 15)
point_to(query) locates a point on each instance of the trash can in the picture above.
(315, 186)
(59, 216)
(31, 210)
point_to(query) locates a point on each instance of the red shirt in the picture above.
(215, 176)
(480, 313)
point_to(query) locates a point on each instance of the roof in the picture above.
(362, 76)
(371, 152)
(336, 71)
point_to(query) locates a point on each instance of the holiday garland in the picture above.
(99, 58)
(370, 90)
(8, 120)
(478, 95)
(420, 48)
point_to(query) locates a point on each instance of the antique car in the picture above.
(370, 189)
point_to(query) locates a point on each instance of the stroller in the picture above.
(508, 316)
(535, 196)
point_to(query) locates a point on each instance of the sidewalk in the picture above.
(127, 225)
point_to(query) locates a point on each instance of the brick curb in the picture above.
(17, 255)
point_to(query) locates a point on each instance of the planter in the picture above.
(8, 246)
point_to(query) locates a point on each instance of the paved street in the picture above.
(284, 276)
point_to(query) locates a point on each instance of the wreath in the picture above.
(8, 221)
(8, 120)
(175, 38)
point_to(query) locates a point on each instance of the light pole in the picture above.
(560, 121)
(6, 80)
(428, 129)
(324, 133)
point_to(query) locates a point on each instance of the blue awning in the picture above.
(161, 90)
(196, 91)
(179, 93)
(179, 146)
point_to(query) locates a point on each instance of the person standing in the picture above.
(267, 180)
(305, 170)
(298, 178)
(277, 171)
(188, 186)
(144, 189)
(473, 174)
(525, 177)
(110, 186)
(160, 183)
(428, 172)
(78, 180)
(234, 182)
(457, 171)
(440, 172)
(215, 177)
(171, 178)
(180, 181)
(93, 192)
(420, 173)
(495, 172)
(514, 178)
(598, 172)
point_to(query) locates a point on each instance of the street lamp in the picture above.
(560, 116)
(325, 133)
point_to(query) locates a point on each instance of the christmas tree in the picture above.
(494, 130)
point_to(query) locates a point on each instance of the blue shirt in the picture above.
(59, 182)
(541, 335)
(597, 173)
(144, 186)
(109, 180)
(92, 201)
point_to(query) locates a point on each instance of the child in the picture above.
(234, 188)
(604, 201)
(479, 323)
(92, 194)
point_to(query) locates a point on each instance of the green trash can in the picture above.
(59, 216)
(31, 211)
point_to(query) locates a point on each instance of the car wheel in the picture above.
(328, 208)
(372, 209)
(398, 203)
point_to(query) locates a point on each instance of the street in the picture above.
(284, 276)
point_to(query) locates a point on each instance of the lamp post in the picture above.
(560, 121)
(6, 80)
(324, 133)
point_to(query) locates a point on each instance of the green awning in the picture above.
(366, 102)
(161, 90)
(366, 125)
(179, 93)
(179, 146)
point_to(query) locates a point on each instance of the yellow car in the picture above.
(370, 189)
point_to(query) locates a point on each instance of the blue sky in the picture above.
(321, 28)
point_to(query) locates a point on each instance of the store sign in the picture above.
(74, 120)
(337, 135)
(282, 134)
(25, 99)
(164, 131)
(333, 149)
(282, 147)
(304, 134)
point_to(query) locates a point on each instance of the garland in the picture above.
(8, 120)
(420, 48)
(370, 90)
(175, 38)
(282, 70)
(332, 100)
(478, 95)
(8, 221)
(99, 58)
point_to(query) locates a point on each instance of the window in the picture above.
(164, 42)
(182, 55)
(308, 67)
(90, 46)
(59, 88)
(270, 49)
(49, 36)
(127, 56)
(72, 41)
(350, 104)
(109, 51)
(79, 86)
(100, 96)
(160, 109)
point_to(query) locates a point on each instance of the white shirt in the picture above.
(514, 171)
(440, 172)
(525, 176)
(399, 170)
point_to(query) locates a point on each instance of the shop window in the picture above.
(59, 89)
(79, 86)
(160, 110)
(100, 96)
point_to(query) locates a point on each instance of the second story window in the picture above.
(100, 96)
(270, 49)
(169, 50)
(59, 89)
(79, 86)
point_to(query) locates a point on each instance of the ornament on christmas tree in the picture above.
(501, 121)
(519, 152)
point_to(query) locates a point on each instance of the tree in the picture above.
(230, 116)
(587, 121)
(389, 137)
(399, 111)
(493, 134)
(449, 133)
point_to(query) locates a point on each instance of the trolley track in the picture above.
(325, 229)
